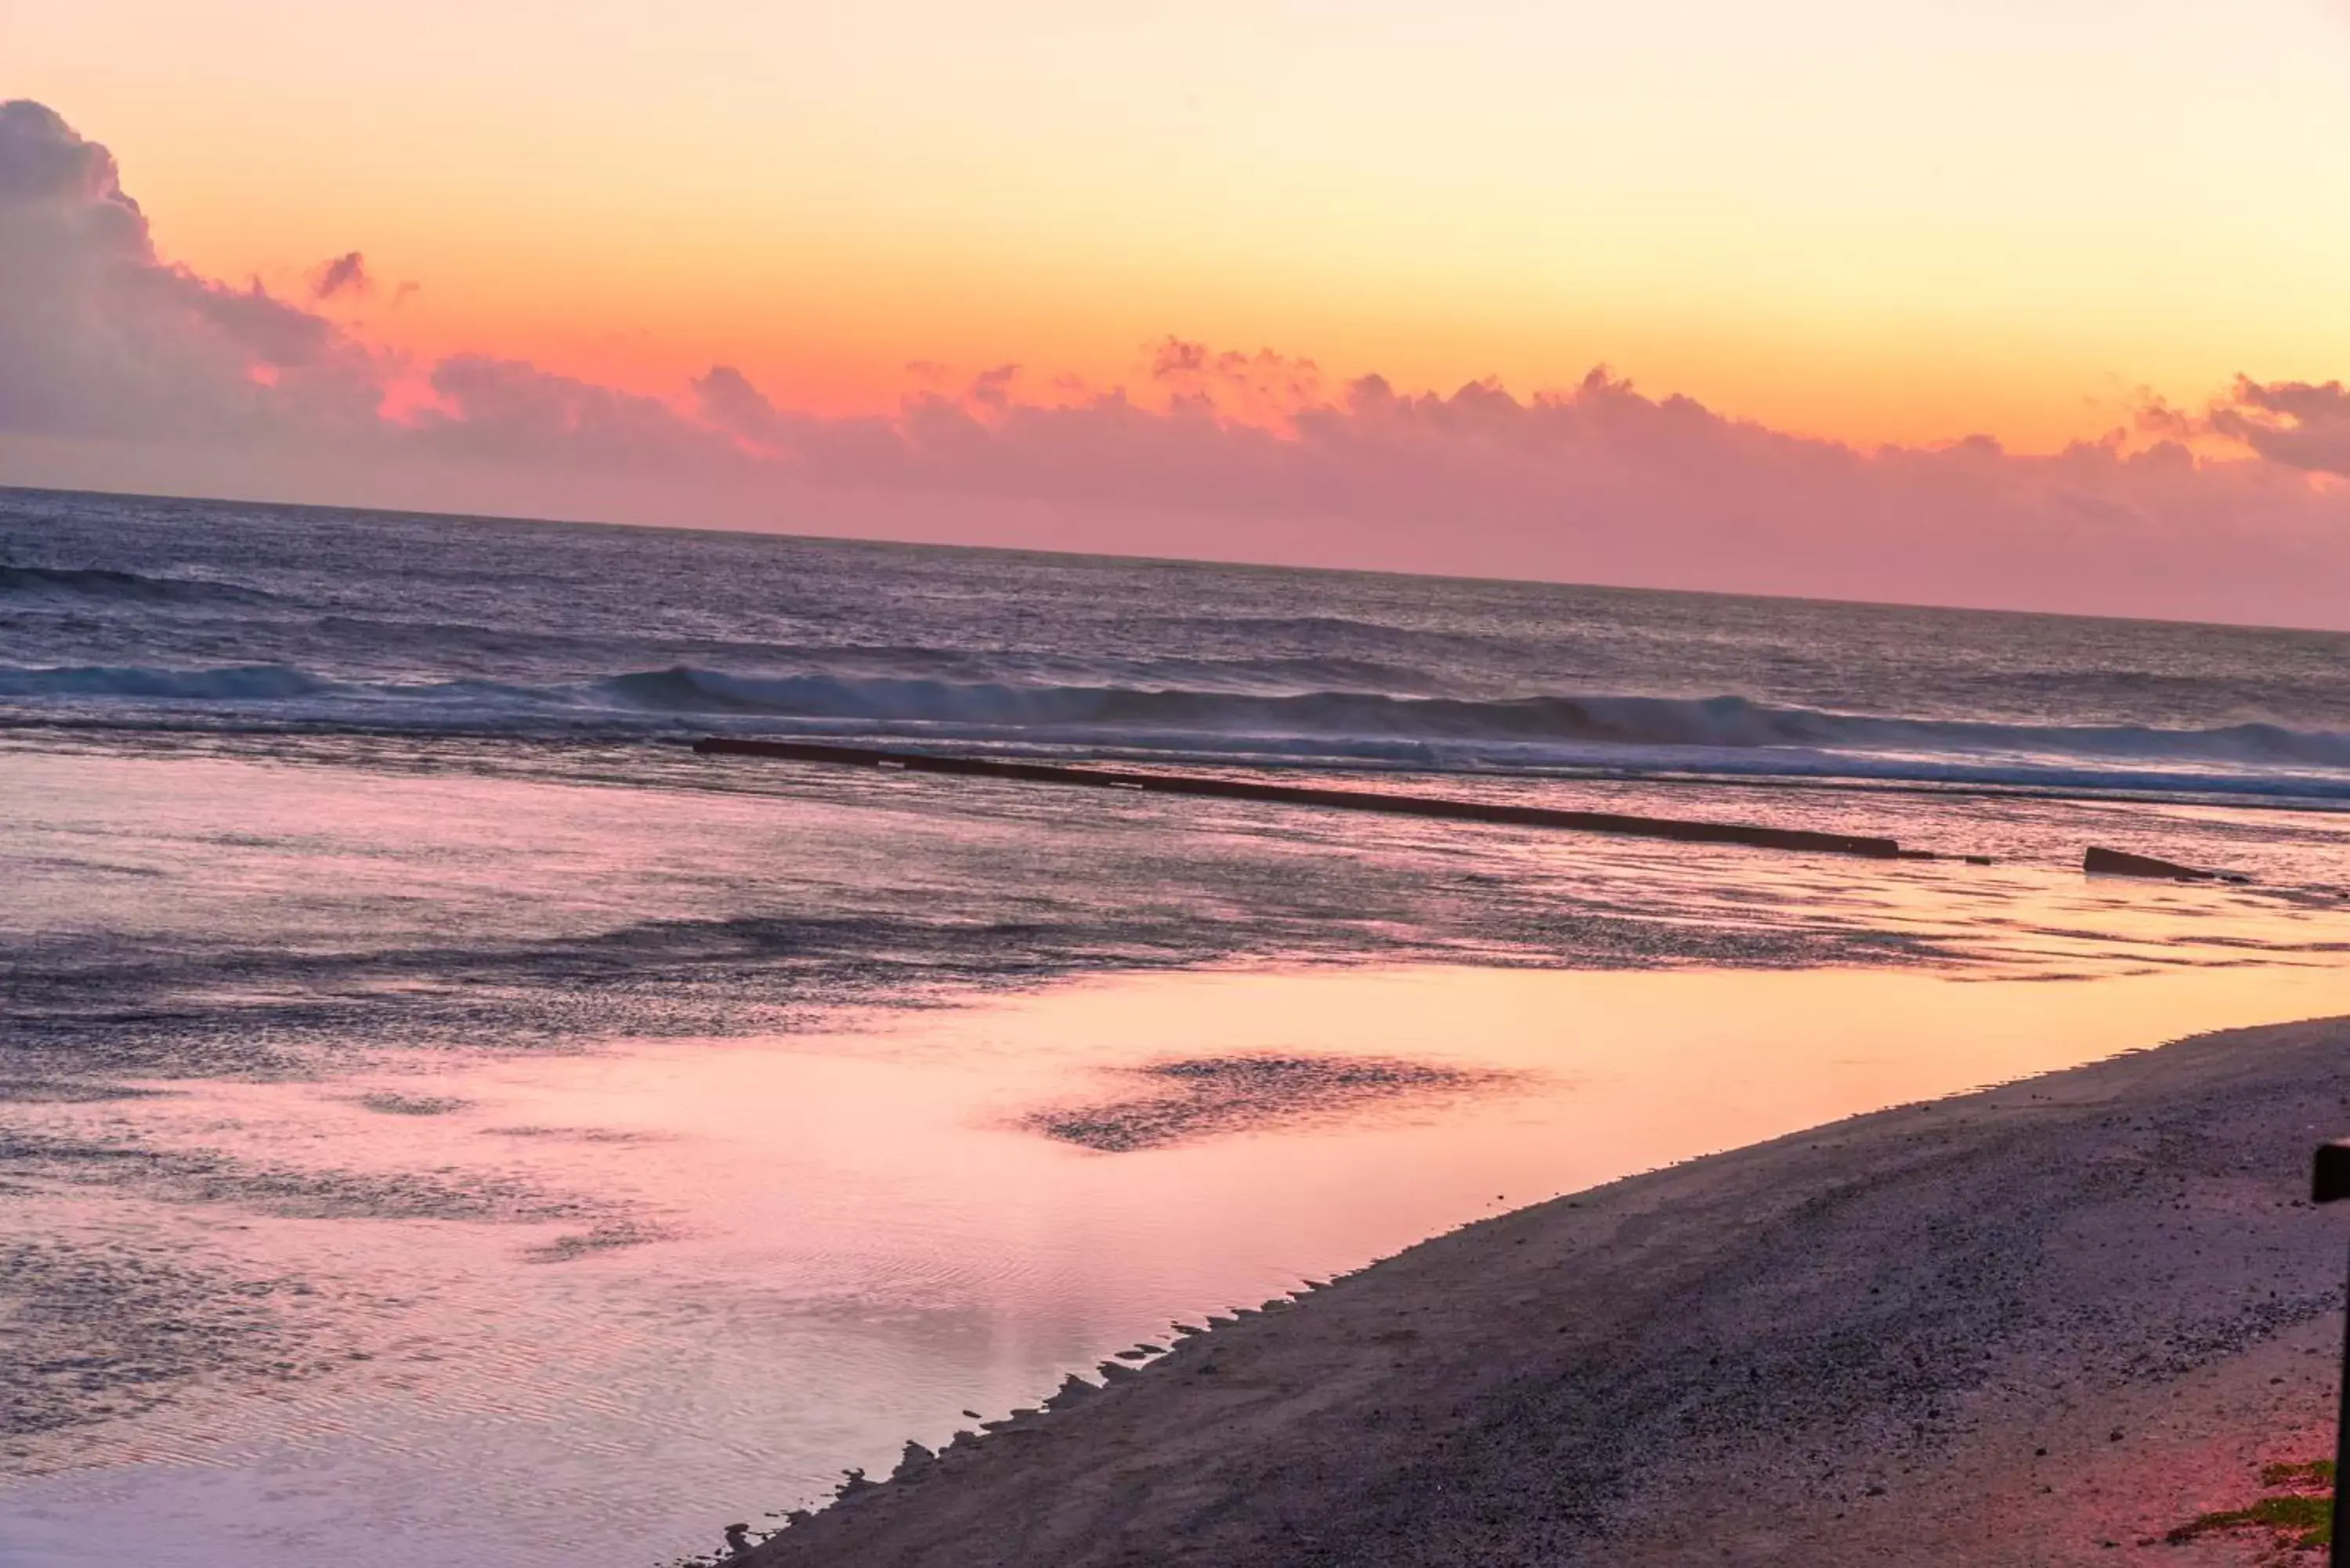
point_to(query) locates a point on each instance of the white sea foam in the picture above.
(1633, 734)
(126, 615)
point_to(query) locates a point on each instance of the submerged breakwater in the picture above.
(126, 616)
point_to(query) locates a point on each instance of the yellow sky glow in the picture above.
(1904, 220)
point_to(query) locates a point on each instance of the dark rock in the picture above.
(2099, 862)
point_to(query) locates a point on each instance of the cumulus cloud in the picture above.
(509, 410)
(346, 274)
(99, 336)
(1601, 482)
(185, 381)
(993, 388)
(727, 400)
(2301, 424)
(1263, 387)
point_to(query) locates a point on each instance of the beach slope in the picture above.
(2037, 1325)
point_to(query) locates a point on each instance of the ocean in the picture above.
(445, 1119)
(128, 613)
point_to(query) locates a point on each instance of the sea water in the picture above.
(444, 1119)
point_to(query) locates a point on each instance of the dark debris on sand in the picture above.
(1206, 1096)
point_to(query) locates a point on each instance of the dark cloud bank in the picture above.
(121, 371)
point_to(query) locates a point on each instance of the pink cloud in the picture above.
(99, 337)
(114, 363)
(2297, 423)
(347, 274)
(725, 399)
(1264, 386)
(508, 411)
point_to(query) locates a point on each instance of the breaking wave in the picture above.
(1713, 722)
(124, 588)
(1716, 734)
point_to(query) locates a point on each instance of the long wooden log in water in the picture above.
(1745, 834)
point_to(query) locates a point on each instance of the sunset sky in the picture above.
(1863, 220)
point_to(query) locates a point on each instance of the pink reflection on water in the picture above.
(581, 1305)
(842, 1241)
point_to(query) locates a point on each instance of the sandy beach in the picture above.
(2041, 1325)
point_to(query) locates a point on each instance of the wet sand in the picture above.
(2038, 1325)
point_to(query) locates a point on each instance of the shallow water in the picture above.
(417, 1153)
(777, 1257)
(443, 1119)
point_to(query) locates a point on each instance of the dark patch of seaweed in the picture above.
(1208, 1097)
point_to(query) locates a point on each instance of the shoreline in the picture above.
(1912, 1336)
(71, 733)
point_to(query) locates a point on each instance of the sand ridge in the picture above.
(2036, 1325)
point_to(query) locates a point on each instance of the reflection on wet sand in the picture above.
(439, 1154)
(557, 1289)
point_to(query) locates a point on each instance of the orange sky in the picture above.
(1901, 220)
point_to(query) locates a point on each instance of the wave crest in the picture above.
(123, 588)
(244, 682)
(1726, 723)
(1726, 734)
